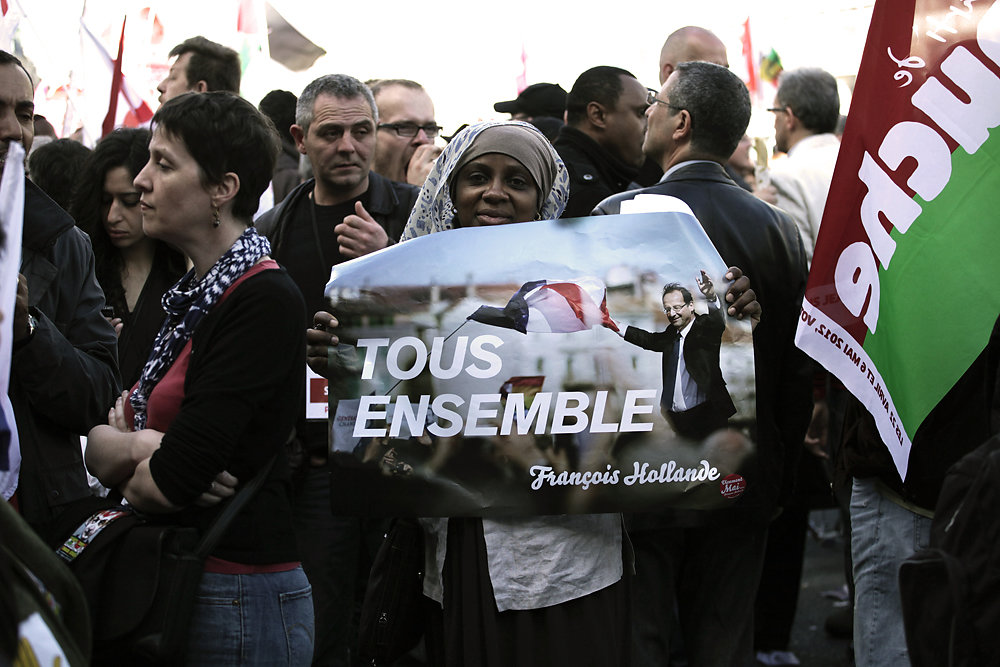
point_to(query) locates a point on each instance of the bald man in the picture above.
(683, 45)
(687, 44)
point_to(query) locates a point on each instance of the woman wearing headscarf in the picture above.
(134, 270)
(220, 393)
(545, 590)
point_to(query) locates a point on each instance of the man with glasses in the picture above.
(404, 149)
(601, 142)
(700, 569)
(694, 397)
(806, 109)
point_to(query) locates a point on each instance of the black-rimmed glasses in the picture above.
(409, 130)
(652, 99)
(778, 109)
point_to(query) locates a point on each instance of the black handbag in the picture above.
(140, 576)
(391, 620)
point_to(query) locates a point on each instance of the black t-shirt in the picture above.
(310, 248)
(309, 263)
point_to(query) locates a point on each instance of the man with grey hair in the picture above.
(700, 569)
(687, 44)
(806, 109)
(345, 211)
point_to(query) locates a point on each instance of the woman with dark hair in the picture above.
(220, 393)
(133, 269)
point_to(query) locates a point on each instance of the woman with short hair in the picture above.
(220, 393)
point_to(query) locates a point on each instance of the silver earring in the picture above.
(215, 216)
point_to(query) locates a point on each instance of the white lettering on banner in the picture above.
(569, 414)
(967, 123)
(418, 350)
(671, 472)
(668, 473)
(855, 369)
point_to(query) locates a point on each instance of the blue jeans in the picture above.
(883, 534)
(252, 619)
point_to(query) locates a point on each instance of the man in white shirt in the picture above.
(806, 109)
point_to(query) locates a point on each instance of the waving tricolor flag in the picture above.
(552, 306)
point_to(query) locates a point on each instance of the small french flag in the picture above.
(552, 306)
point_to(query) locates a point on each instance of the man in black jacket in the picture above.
(601, 142)
(708, 563)
(64, 362)
(346, 211)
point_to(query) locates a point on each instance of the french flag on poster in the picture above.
(552, 306)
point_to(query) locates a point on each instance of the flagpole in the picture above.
(398, 382)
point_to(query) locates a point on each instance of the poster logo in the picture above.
(733, 486)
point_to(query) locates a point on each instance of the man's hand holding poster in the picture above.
(584, 365)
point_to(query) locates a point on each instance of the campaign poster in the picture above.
(537, 368)
(11, 228)
(898, 303)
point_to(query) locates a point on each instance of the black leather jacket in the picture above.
(389, 204)
(65, 377)
(594, 173)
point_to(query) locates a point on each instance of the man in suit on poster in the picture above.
(694, 398)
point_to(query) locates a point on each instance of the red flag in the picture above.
(156, 28)
(138, 110)
(116, 87)
(751, 61)
(3, 7)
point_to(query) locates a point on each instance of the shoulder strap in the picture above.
(215, 532)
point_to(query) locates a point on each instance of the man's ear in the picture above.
(300, 138)
(792, 121)
(597, 115)
(665, 70)
(200, 87)
(683, 130)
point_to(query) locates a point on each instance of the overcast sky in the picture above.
(468, 55)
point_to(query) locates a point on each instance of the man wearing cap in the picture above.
(541, 104)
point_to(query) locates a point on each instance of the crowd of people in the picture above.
(171, 294)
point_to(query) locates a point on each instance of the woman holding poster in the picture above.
(528, 590)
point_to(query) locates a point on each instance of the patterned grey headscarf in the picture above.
(435, 211)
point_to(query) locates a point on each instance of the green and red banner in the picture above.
(899, 301)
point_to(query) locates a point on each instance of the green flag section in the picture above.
(944, 262)
(899, 300)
